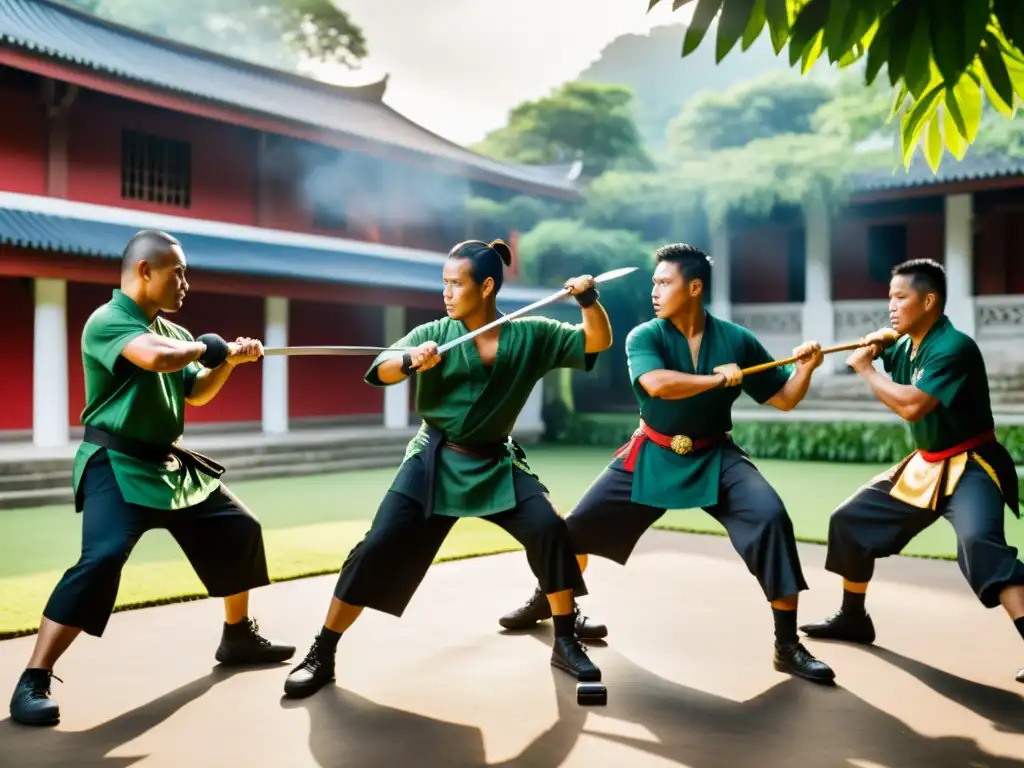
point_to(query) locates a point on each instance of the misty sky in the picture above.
(458, 66)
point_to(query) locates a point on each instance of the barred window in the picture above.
(155, 169)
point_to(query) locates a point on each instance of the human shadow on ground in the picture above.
(792, 723)
(40, 747)
(1005, 709)
(349, 729)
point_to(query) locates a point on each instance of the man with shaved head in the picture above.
(130, 475)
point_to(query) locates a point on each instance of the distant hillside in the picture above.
(664, 81)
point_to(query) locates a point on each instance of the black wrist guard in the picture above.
(588, 297)
(406, 363)
(217, 350)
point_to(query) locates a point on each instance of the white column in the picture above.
(721, 292)
(531, 418)
(396, 397)
(960, 262)
(818, 311)
(50, 365)
(275, 368)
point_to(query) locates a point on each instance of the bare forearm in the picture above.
(209, 382)
(901, 399)
(162, 355)
(597, 328)
(390, 371)
(673, 385)
(794, 390)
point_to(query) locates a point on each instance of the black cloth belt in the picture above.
(436, 439)
(154, 453)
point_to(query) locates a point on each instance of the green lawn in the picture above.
(310, 524)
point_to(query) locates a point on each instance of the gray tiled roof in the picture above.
(56, 31)
(240, 255)
(973, 167)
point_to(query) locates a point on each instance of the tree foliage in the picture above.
(272, 32)
(766, 106)
(591, 122)
(941, 58)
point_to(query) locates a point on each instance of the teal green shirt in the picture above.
(123, 399)
(948, 366)
(471, 403)
(662, 477)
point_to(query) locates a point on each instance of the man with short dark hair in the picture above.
(958, 470)
(685, 366)
(131, 476)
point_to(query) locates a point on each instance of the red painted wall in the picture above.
(758, 270)
(230, 316)
(223, 158)
(850, 275)
(17, 320)
(332, 386)
(998, 232)
(23, 137)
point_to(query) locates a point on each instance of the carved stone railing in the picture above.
(999, 317)
(778, 326)
(999, 329)
(854, 319)
(772, 319)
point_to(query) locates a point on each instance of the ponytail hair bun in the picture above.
(503, 251)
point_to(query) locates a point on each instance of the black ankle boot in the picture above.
(242, 644)
(794, 659)
(570, 655)
(1020, 675)
(31, 703)
(315, 671)
(537, 609)
(842, 625)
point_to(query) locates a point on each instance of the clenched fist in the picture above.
(733, 374)
(244, 350)
(577, 285)
(424, 357)
(810, 354)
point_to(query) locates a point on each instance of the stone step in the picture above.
(60, 493)
(237, 466)
(234, 455)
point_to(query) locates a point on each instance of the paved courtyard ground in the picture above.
(687, 665)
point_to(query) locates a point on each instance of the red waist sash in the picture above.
(967, 445)
(680, 444)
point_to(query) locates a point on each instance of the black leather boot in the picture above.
(849, 627)
(794, 659)
(1020, 675)
(31, 703)
(537, 609)
(315, 671)
(570, 655)
(242, 644)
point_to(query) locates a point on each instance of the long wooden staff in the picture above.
(824, 351)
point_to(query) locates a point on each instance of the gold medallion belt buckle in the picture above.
(682, 444)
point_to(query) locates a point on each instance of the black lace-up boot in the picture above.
(243, 644)
(31, 703)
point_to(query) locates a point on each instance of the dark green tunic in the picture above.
(663, 478)
(472, 404)
(123, 399)
(949, 367)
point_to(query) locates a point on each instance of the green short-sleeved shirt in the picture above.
(472, 405)
(123, 399)
(662, 477)
(949, 367)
